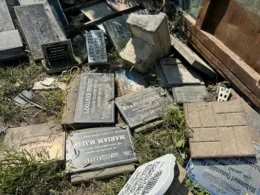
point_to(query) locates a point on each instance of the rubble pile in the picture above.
(105, 107)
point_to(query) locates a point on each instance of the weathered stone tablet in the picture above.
(96, 46)
(54, 3)
(6, 23)
(11, 46)
(143, 106)
(189, 94)
(95, 103)
(51, 145)
(99, 148)
(176, 73)
(38, 28)
(37, 138)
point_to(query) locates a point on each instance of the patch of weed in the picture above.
(21, 173)
(194, 188)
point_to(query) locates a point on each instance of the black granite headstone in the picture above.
(92, 149)
(95, 104)
(57, 52)
(143, 106)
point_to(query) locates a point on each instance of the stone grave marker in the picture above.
(143, 106)
(96, 46)
(99, 148)
(118, 30)
(6, 23)
(58, 56)
(176, 73)
(56, 8)
(51, 145)
(188, 94)
(38, 28)
(232, 176)
(11, 46)
(95, 103)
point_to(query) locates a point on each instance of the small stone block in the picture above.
(205, 134)
(143, 106)
(227, 107)
(230, 119)
(205, 149)
(99, 148)
(96, 46)
(189, 94)
(207, 117)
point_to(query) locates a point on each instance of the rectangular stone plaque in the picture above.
(99, 148)
(232, 176)
(6, 22)
(143, 106)
(95, 104)
(38, 27)
(96, 46)
(176, 73)
(187, 94)
(57, 52)
(54, 3)
(52, 145)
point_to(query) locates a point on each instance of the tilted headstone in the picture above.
(99, 148)
(56, 6)
(143, 106)
(38, 28)
(187, 94)
(11, 46)
(154, 177)
(50, 146)
(96, 46)
(95, 104)
(118, 30)
(58, 56)
(233, 176)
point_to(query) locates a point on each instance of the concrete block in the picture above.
(139, 54)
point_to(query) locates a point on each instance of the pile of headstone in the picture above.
(104, 110)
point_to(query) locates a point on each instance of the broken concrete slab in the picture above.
(38, 28)
(150, 41)
(99, 148)
(101, 174)
(129, 81)
(96, 47)
(172, 72)
(11, 46)
(192, 58)
(219, 130)
(144, 106)
(189, 94)
(234, 176)
(90, 101)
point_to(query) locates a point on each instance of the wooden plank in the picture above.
(219, 66)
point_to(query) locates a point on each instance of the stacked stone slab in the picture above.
(11, 46)
(150, 41)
